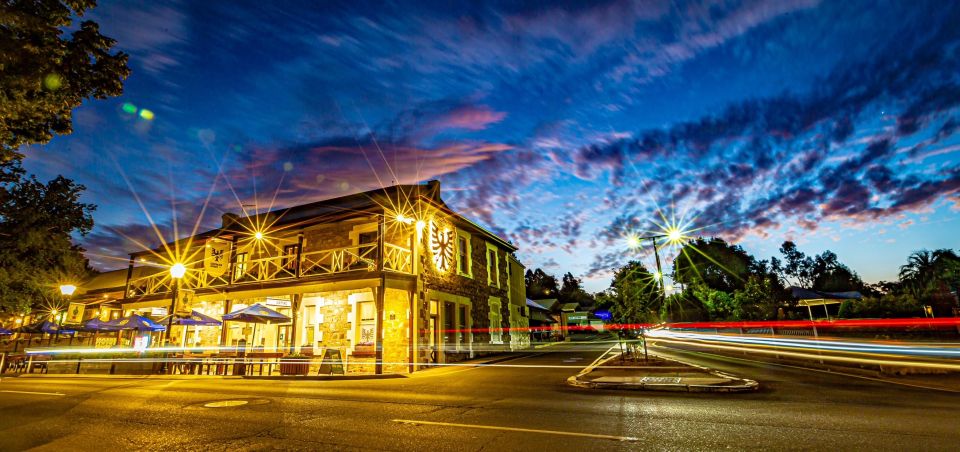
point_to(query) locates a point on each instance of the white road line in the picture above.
(33, 392)
(516, 429)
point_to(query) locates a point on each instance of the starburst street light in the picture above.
(674, 236)
(177, 270)
(67, 289)
(258, 235)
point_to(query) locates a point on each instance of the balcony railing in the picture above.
(275, 268)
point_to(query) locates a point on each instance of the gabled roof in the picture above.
(535, 305)
(547, 303)
(357, 205)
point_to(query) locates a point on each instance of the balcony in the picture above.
(396, 259)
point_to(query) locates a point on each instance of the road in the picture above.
(522, 403)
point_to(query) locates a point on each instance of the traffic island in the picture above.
(657, 373)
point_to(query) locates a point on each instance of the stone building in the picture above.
(393, 278)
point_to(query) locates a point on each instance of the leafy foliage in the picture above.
(713, 263)
(44, 76)
(540, 285)
(37, 220)
(824, 272)
(633, 295)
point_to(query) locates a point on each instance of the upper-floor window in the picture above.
(464, 264)
(493, 266)
(240, 265)
(289, 261)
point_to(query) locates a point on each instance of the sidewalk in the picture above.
(657, 374)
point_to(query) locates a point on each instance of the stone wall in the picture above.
(396, 333)
(475, 288)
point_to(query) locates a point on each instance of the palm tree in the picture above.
(925, 268)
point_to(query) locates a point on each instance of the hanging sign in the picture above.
(184, 305)
(75, 313)
(216, 257)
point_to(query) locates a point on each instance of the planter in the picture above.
(294, 366)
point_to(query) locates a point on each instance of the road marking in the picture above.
(517, 429)
(33, 392)
(864, 377)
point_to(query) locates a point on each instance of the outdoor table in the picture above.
(260, 357)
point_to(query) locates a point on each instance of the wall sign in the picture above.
(216, 257)
(441, 245)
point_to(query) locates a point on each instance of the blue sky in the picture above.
(564, 127)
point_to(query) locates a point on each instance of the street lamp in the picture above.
(66, 290)
(177, 271)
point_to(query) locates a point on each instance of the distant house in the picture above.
(542, 322)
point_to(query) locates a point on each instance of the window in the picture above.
(366, 328)
(493, 266)
(240, 266)
(464, 264)
(289, 261)
(496, 334)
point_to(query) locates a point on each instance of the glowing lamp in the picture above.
(656, 275)
(258, 235)
(177, 270)
(67, 289)
(674, 235)
(633, 241)
(420, 225)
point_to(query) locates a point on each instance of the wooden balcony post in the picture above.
(126, 287)
(381, 292)
(233, 260)
(299, 261)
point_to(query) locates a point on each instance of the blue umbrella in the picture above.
(134, 322)
(195, 319)
(256, 314)
(5, 332)
(45, 326)
(96, 324)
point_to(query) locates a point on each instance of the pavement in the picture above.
(519, 404)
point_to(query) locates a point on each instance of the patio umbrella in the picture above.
(195, 319)
(5, 332)
(134, 322)
(45, 326)
(256, 314)
(94, 325)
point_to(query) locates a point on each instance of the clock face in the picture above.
(441, 244)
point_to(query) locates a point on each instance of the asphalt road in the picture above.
(520, 404)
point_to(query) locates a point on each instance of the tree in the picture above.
(540, 285)
(796, 265)
(925, 271)
(37, 221)
(571, 291)
(713, 263)
(44, 76)
(824, 272)
(634, 295)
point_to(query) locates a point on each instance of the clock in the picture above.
(441, 244)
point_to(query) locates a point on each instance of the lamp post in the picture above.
(66, 290)
(176, 273)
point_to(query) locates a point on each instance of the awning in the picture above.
(96, 325)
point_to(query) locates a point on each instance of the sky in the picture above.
(563, 126)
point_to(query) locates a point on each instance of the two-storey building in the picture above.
(390, 276)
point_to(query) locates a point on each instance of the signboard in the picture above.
(331, 363)
(216, 257)
(603, 315)
(184, 305)
(576, 317)
(75, 313)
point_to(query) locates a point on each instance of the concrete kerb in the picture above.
(743, 385)
(212, 377)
